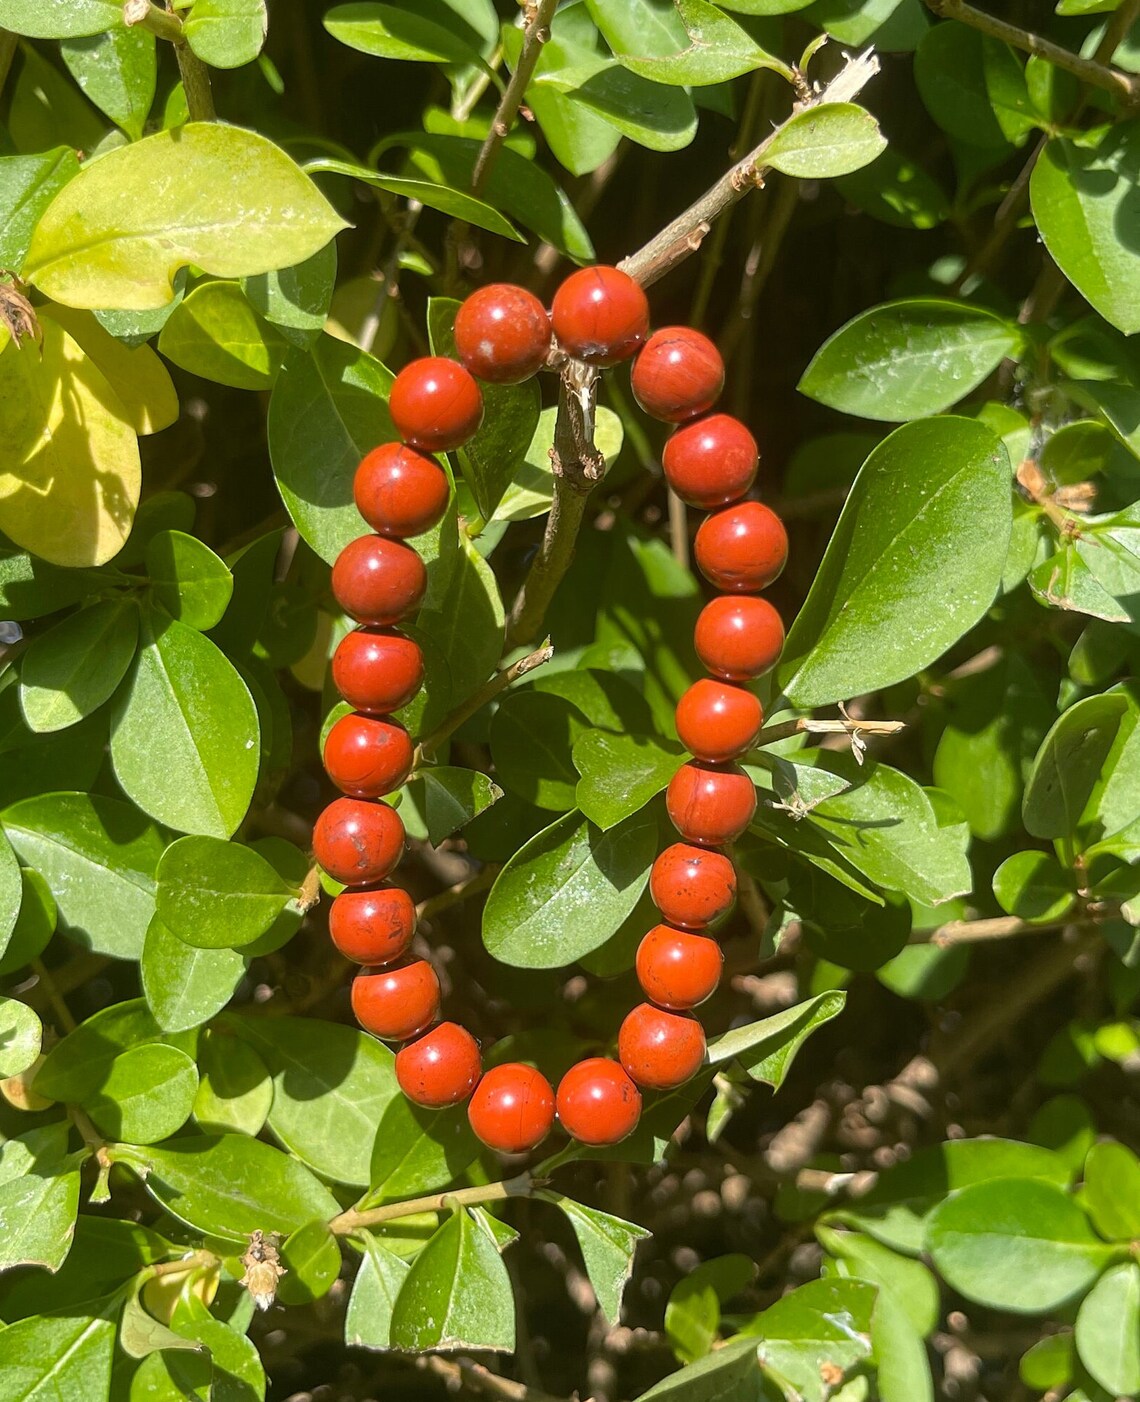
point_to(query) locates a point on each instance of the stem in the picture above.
(353, 1220)
(465, 1376)
(1004, 927)
(535, 34)
(687, 232)
(771, 734)
(454, 895)
(196, 84)
(577, 467)
(678, 529)
(499, 682)
(1126, 86)
(153, 17)
(54, 997)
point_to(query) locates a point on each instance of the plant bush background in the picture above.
(928, 312)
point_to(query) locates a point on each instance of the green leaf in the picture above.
(730, 1373)
(895, 190)
(30, 588)
(457, 1294)
(98, 856)
(821, 1326)
(824, 141)
(1064, 581)
(215, 333)
(896, 26)
(332, 1087)
(188, 579)
(908, 359)
(64, 1358)
(59, 19)
(456, 204)
(226, 33)
(11, 893)
(229, 1186)
(237, 1367)
(692, 1312)
(37, 1222)
(516, 185)
(329, 407)
(1069, 763)
(1108, 1330)
(368, 1319)
(1080, 196)
(608, 1245)
(932, 504)
(766, 1049)
(218, 895)
(392, 31)
(296, 298)
(116, 70)
(1034, 886)
(69, 455)
(185, 986)
(711, 48)
(77, 1066)
(20, 1036)
(235, 1091)
(28, 184)
(311, 1258)
(226, 200)
(621, 773)
(567, 890)
(950, 71)
(897, 1210)
(146, 1096)
(1015, 1244)
(466, 624)
(449, 797)
(1112, 1190)
(532, 735)
(70, 670)
(417, 1150)
(184, 742)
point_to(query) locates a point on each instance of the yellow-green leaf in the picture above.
(226, 200)
(69, 458)
(136, 374)
(215, 333)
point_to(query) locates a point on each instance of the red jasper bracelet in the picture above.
(503, 336)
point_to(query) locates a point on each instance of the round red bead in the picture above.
(738, 638)
(678, 374)
(367, 757)
(502, 333)
(660, 1050)
(373, 927)
(717, 721)
(396, 1003)
(742, 548)
(358, 842)
(377, 580)
(597, 1102)
(435, 404)
(677, 969)
(711, 462)
(440, 1068)
(377, 669)
(692, 886)
(400, 492)
(600, 315)
(710, 804)
(512, 1109)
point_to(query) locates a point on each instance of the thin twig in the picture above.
(577, 466)
(1100, 75)
(772, 734)
(54, 997)
(195, 75)
(678, 529)
(456, 894)
(487, 692)
(1003, 927)
(463, 1374)
(354, 1220)
(687, 232)
(535, 34)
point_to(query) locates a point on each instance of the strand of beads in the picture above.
(378, 580)
(711, 462)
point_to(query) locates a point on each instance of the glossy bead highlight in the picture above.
(677, 375)
(512, 1109)
(358, 842)
(600, 315)
(373, 927)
